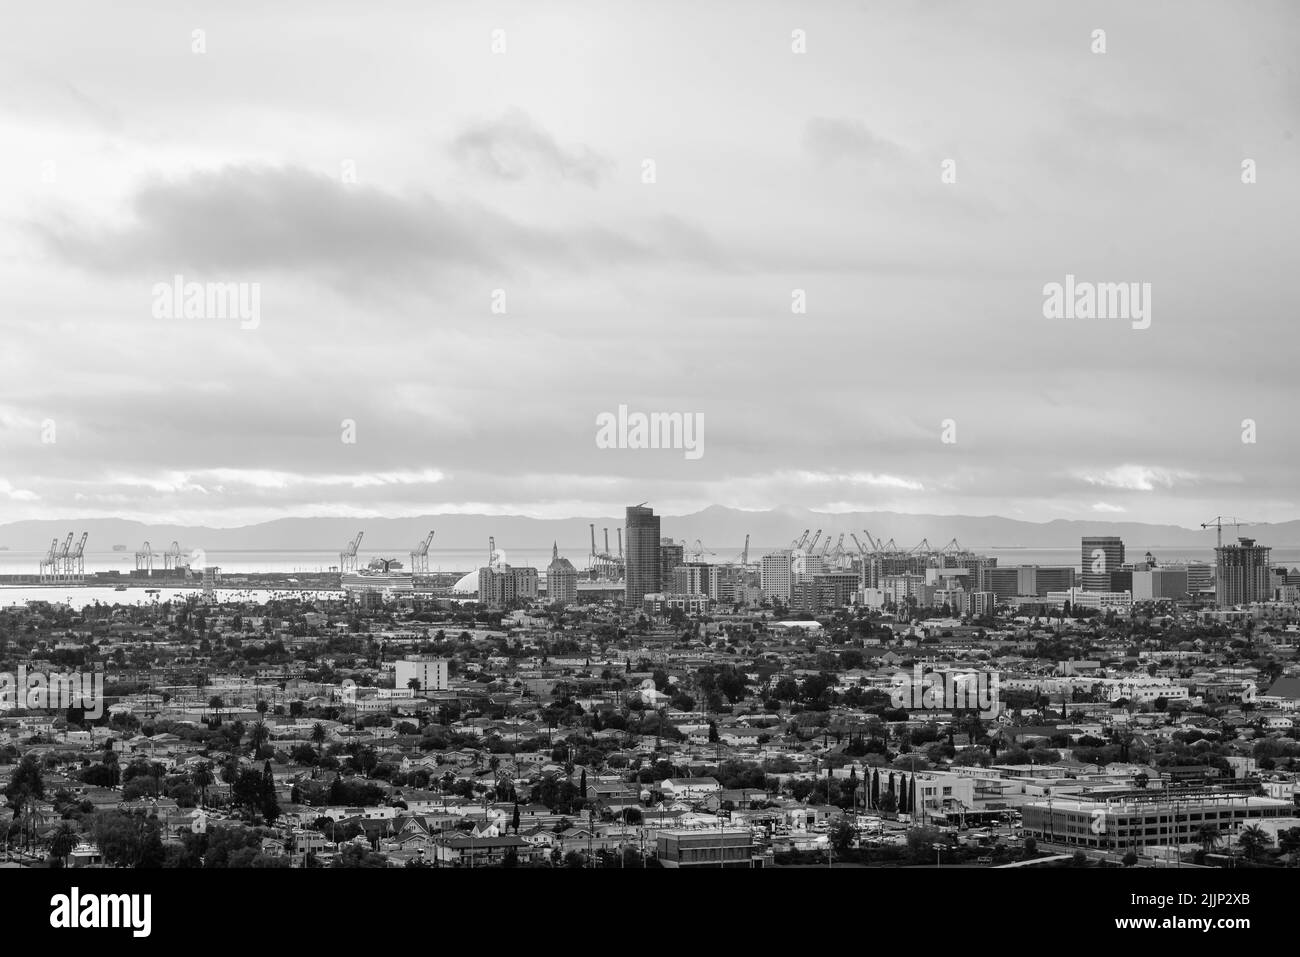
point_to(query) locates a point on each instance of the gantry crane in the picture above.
(348, 557)
(74, 569)
(172, 557)
(144, 559)
(50, 563)
(420, 557)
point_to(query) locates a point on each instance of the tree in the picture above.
(257, 737)
(841, 835)
(1254, 839)
(201, 777)
(26, 783)
(61, 845)
(1209, 835)
(270, 806)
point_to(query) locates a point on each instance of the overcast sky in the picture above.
(129, 159)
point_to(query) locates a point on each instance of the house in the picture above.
(690, 789)
(466, 850)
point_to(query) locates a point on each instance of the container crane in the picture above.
(420, 557)
(76, 567)
(348, 557)
(144, 559)
(50, 563)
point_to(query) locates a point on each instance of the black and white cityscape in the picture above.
(358, 509)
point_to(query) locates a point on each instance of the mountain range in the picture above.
(718, 527)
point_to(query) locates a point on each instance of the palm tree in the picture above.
(1209, 835)
(201, 777)
(64, 840)
(257, 737)
(318, 737)
(1254, 839)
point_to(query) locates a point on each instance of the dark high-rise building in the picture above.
(1102, 554)
(671, 554)
(1242, 573)
(644, 576)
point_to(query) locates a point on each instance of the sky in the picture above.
(461, 265)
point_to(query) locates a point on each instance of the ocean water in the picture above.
(79, 598)
(465, 560)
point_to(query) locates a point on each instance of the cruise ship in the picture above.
(381, 575)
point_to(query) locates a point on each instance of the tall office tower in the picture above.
(1242, 573)
(644, 576)
(561, 579)
(1102, 554)
(775, 574)
(1052, 578)
(671, 554)
(1200, 576)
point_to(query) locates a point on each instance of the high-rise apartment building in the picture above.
(561, 579)
(1242, 573)
(1101, 555)
(671, 554)
(644, 568)
(501, 586)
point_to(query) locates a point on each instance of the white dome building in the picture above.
(467, 585)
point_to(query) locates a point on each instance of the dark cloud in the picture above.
(514, 147)
(833, 139)
(241, 220)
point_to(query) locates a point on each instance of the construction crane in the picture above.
(420, 557)
(144, 559)
(1217, 524)
(348, 557)
(76, 566)
(50, 563)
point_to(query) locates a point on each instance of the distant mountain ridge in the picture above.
(716, 525)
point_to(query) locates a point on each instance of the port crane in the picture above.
(75, 569)
(50, 563)
(420, 557)
(744, 554)
(144, 559)
(172, 557)
(348, 557)
(1217, 524)
(698, 551)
